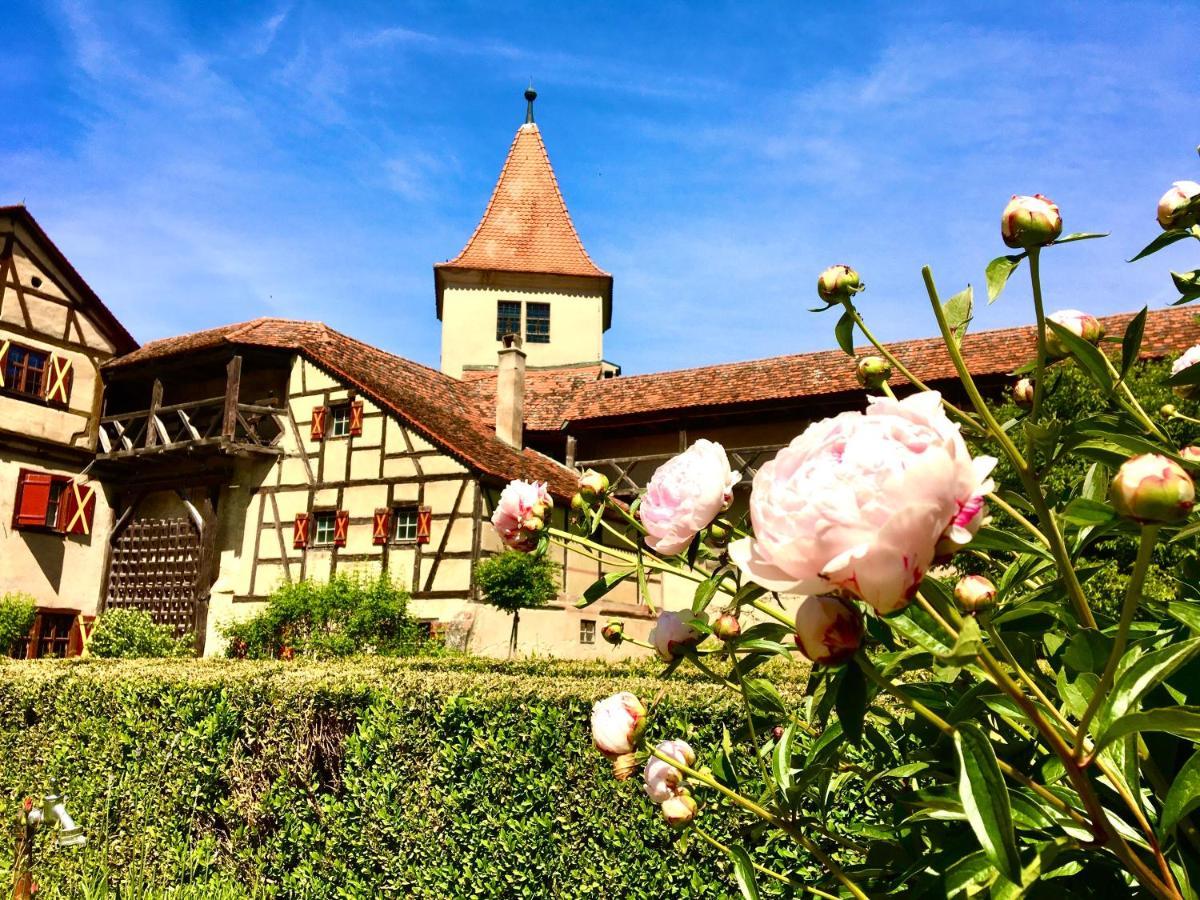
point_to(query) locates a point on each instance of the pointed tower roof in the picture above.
(526, 227)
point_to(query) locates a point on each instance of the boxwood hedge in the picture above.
(428, 778)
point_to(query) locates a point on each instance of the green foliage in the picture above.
(132, 634)
(17, 612)
(512, 581)
(421, 778)
(347, 615)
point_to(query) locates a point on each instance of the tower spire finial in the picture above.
(530, 96)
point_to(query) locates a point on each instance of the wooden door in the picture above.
(156, 568)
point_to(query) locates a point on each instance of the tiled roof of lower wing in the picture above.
(442, 408)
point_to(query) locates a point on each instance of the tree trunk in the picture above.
(512, 640)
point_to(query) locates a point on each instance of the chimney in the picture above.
(510, 392)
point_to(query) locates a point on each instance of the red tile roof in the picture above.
(782, 378)
(108, 323)
(443, 409)
(526, 226)
(545, 391)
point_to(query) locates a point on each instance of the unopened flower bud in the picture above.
(1080, 324)
(1191, 453)
(1030, 222)
(777, 732)
(623, 766)
(679, 810)
(1180, 206)
(617, 724)
(727, 627)
(533, 523)
(873, 372)
(613, 632)
(663, 780)
(718, 534)
(673, 634)
(838, 283)
(829, 629)
(1151, 489)
(578, 503)
(1187, 359)
(1022, 393)
(1168, 410)
(974, 593)
(592, 484)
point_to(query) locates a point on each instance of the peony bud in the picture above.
(777, 732)
(613, 632)
(578, 503)
(1168, 410)
(1079, 324)
(974, 593)
(727, 627)
(623, 766)
(1187, 359)
(1030, 222)
(838, 283)
(1191, 454)
(592, 484)
(718, 534)
(829, 629)
(617, 724)
(521, 513)
(663, 780)
(672, 634)
(679, 810)
(1151, 489)
(1022, 393)
(873, 372)
(1180, 206)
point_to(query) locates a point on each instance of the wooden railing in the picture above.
(197, 421)
(629, 474)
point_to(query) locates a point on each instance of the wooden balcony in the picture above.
(630, 474)
(195, 429)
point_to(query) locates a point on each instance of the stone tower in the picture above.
(524, 271)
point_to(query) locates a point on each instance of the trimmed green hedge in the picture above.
(394, 778)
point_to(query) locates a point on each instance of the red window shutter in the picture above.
(380, 531)
(75, 638)
(300, 530)
(59, 377)
(78, 508)
(319, 416)
(33, 499)
(424, 523)
(356, 416)
(341, 524)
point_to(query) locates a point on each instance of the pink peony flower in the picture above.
(521, 513)
(617, 723)
(1080, 324)
(662, 779)
(685, 494)
(1189, 358)
(861, 501)
(829, 629)
(672, 634)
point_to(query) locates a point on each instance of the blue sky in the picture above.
(211, 162)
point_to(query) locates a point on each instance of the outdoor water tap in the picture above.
(54, 812)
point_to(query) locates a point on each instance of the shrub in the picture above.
(424, 779)
(133, 634)
(513, 581)
(348, 614)
(17, 612)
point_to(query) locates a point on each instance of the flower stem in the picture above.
(775, 614)
(765, 814)
(770, 873)
(1058, 546)
(1133, 596)
(1039, 372)
(1016, 516)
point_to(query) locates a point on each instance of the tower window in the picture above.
(508, 318)
(537, 323)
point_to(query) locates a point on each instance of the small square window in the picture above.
(24, 371)
(587, 631)
(404, 523)
(323, 527)
(508, 318)
(339, 420)
(537, 323)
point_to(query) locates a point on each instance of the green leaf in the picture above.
(1004, 889)
(781, 758)
(1190, 375)
(1187, 613)
(989, 538)
(1183, 797)
(1131, 342)
(985, 800)
(1141, 676)
(1088, 651)
(1088, 512)
(958, 313)
(1166, 239)
(966, 648)
(999, 270)
(1080, 236)
(1181, 721)
(602, 586)
(1090, 358)
(704, 594)
(762, 695)
(743, 872)
(851, 703)
(844, 332)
